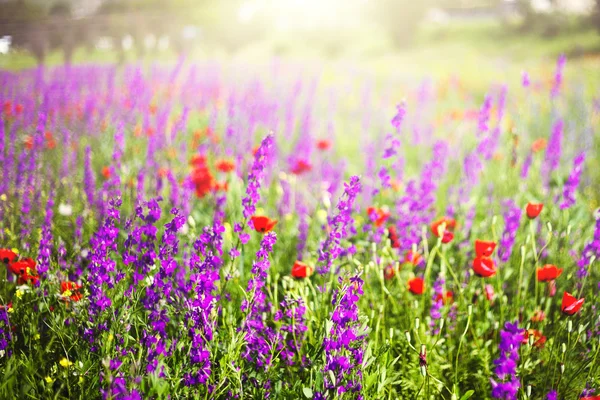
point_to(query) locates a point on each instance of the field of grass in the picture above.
(413, 225)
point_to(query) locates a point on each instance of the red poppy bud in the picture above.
(301, 270)
(571, 305)
(548, 273)
(534, 209)
(416, 286)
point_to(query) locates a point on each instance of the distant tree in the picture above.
(400, 18)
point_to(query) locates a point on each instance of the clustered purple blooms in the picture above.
(101, 270)
(205, 264)
(5, 332)
(558, 75)
(572, 182)
(415, 209)
(592, 249)
(331, 248)
(89, 180)
(506, 385)
(437, 303)
(258, 335)
(45, 245)
(512, 220)
(484, 115)
(158, 293)
(255, 176)
(344, 345)
(292, 331)
(552, 395)
(553, 152)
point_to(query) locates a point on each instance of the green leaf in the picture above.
(467, 395)
(308, 393)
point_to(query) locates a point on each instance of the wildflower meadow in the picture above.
(215, 231)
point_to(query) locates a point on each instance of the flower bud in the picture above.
(417, 324)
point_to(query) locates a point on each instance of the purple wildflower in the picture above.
(553, 152)
(512, 220)
(255, 176)
(344, 344)
(572, 182)
(592, 249)
(508, 384)
(331, 247)
(558, 75)
(258, 335)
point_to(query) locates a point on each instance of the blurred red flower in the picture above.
(570, 304)
(263, 224)
(416, 286)
(548, 273)
(534, 209)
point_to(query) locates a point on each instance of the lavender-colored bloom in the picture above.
(255, 176)
(437, 303)
(512, 221)
(257, 334)
(552, 395)
(526, 165)
(553, 152)
(5, 333)
(484, 115)
(399, 117)
(45, 247)
(572, 182)
(592, 249)
(506, 385)
(525, 80)
(291, 333)
(205, 263)
(89, 181)
(344, 344)
(558, 75)
(331, 248)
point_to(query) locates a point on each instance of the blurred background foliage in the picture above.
(323, 28)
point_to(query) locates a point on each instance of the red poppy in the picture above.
(571, 305)
(538, 339)
(222, 186)
(539, 145)
(393, 236)
(446, 298)
(484, 248)
(301, 167)
(225, 165)
(448, 237)
(28, 142)
(198, 160)
(377, 215)
(19, 108)
(7, 108)
(106, 172)
(389, 272)
(416, 286)
(548, 273)
(26, 272)
(301, 270)
(448, 224)
(201, 176)
(551, 288)
(484, 267)
(7, 256)
(538, 316)
(590, 398)
(263, 224)
(152, 109)
(50, 142)
(534, 209)
(73, 288)
(323, 144)
(412, 257)
(20, 267)
(255, 150)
